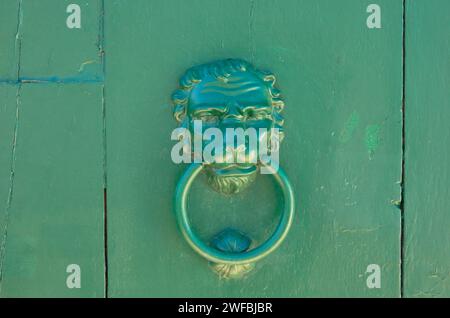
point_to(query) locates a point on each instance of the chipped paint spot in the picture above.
(397, 203)
(349, 128)
(82, 65)
(372, 139)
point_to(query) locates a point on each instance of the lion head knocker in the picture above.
(230, 94)
(215, 100)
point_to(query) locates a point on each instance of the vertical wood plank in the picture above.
(427, 153)
(56, 212)
(343, 87)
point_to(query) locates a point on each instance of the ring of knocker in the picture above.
(220, 257)
(222, 95)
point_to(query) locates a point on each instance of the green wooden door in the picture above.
(342, 84)
(87, 180)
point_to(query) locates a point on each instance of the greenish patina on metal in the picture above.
(226, 94)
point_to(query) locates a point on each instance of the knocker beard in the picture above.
(229, 184)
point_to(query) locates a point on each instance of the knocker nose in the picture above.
(233, 111)
(236, 151)
(232, 120)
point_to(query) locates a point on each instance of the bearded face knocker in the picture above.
(230, 127)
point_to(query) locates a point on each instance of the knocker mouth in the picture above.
(234, 170)
(231, 178)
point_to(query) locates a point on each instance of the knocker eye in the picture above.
(255, 115)
(249, 114)
(207, 118)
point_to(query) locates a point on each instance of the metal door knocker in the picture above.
(214, 99)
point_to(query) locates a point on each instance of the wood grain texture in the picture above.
(56, 212)
(343, 86)
(427, 157)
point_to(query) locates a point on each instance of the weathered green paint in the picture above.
(331, 68)
(342, 85)
(427, 157)
(56, 213)
(9, 20)
(52, 51)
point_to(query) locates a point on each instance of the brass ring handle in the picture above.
(214, 255)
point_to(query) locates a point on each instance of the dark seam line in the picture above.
(101, 48)
(105, 197)
(105, 238)
(402, 203)
(50, 80)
